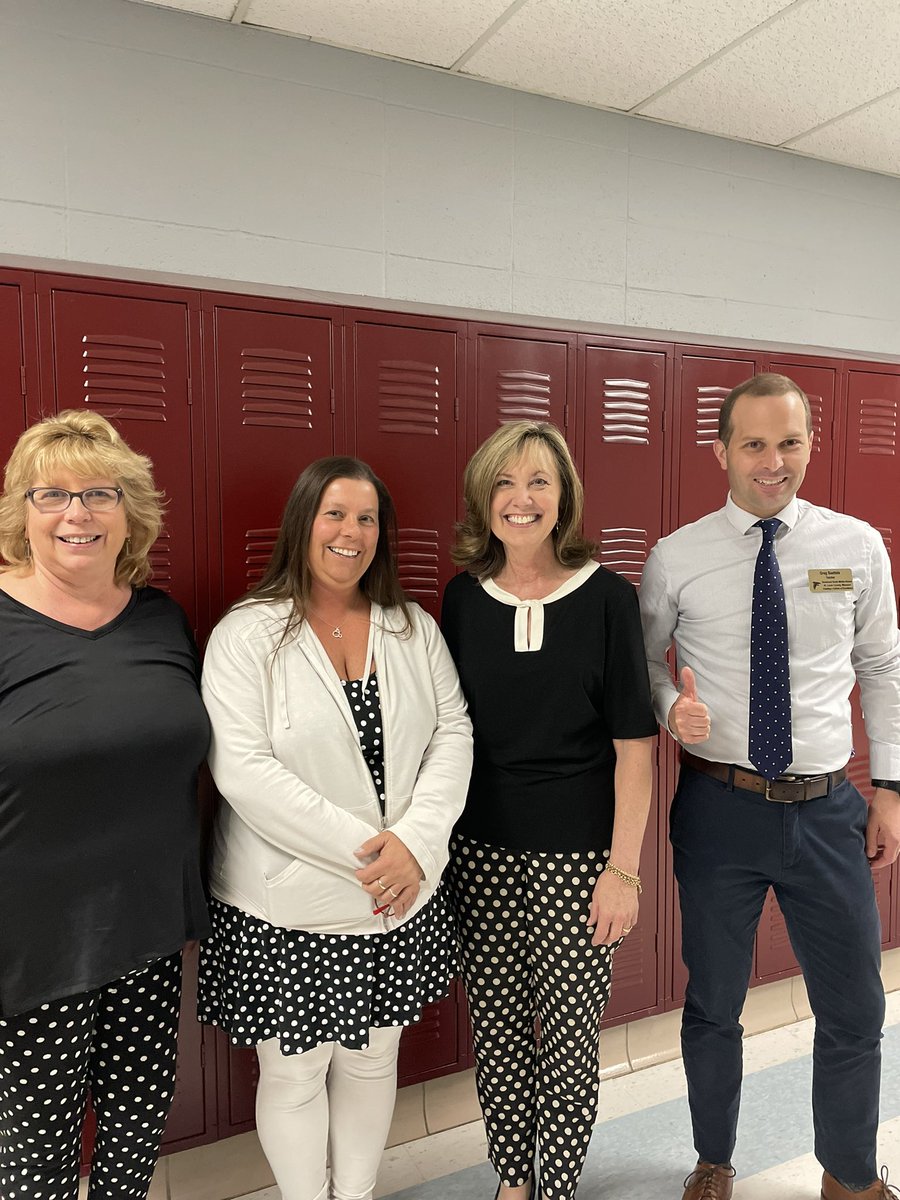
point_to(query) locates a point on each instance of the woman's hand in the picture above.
(393, 876)
(614, 909)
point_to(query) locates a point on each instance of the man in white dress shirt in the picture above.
(777, 608)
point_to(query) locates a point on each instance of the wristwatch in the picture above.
(892, 785)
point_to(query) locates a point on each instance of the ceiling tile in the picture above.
(206, 8)
(867, 138)
(432, 33)
(813, 63)
(612, 52)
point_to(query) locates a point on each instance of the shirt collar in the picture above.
(744, 521)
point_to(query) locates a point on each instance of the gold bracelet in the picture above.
(633, 880)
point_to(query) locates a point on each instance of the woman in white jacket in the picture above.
(342, 751)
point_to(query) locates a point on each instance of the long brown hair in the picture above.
(287, 578)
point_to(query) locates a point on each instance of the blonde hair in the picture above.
(477, 549)
(86, 444)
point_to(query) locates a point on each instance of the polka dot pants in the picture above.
(526, 954)
(120, 1042)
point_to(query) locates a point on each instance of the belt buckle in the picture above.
(776, 799)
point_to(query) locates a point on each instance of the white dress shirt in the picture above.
(697, 589)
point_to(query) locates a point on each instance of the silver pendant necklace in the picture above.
(336, 631)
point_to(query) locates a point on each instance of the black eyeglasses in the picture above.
(53, 500)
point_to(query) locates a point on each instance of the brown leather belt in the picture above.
(784, 790)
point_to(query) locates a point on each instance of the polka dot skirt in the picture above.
(258, 981)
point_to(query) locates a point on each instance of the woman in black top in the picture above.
(102, 731)
(544, 866)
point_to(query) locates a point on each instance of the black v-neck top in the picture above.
(548, 690)
(102, 733)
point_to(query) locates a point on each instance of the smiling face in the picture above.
(767, 453)
(525, 502)
(344, 534)
(76, 546)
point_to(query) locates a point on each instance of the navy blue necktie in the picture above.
(770, 748)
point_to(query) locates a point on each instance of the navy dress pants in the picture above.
(730, 846)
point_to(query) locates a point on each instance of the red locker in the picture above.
(871, 476)
(703, 379)
(872, 491)
(404, 415)
(127, 352)
(439, 1042)
(520, 374)
(622, 395)
(270, 372)
(820, 384)
(19, 374)
(774, 955)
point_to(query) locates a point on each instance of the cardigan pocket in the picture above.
(303, 896)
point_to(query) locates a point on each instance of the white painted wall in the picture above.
(136, 137)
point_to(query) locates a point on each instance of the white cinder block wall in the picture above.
(143, 138)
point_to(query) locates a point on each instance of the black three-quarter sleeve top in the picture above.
(102, 733)
(549, 684)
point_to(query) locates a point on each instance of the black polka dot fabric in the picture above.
(120, 1041)
(770, 741)
(366, 709)
(258, 981)
(526, 956)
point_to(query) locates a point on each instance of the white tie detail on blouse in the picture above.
(532, 639)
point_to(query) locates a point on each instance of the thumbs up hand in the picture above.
(688, 716)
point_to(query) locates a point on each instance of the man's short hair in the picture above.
(765, 384)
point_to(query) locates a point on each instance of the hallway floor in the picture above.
(641, 1146)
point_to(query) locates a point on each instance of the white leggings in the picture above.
(329, 1102)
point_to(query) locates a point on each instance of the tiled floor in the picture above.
(437, 1142)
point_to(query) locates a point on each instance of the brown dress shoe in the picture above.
(709, 1181)
(879, 1190)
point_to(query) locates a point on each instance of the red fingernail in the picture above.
(376, 912)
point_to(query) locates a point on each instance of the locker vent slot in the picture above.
(428, 1029)
(417, 560)
(877, 425)
(276, 388)
(775, 929)
(626, 411)
(161, 562)
(815, 409)
(630, 961)
(624, 551)
(257, 551)
(709, 401)
(523, 396)
(408, 395)
(125, 374)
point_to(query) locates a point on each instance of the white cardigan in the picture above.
(298, 797)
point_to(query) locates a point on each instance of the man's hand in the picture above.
(688, 717)
(883, 829)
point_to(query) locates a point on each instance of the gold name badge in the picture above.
(833, 579)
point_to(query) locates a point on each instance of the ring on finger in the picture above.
(381, 884)
(396, 895)
(628, 929)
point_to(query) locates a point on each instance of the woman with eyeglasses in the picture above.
(102, 731)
